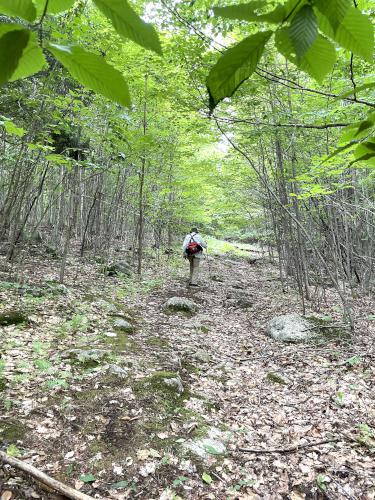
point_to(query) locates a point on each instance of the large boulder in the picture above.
(180, 304)
(291, 328)
(119, 268)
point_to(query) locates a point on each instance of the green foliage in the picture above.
(93, 72)
(21, 55)
(207, 478)
(303, 30)
(235, 66)
(87, 478)
(321, 481)
(31, 60)
(299, 41)
(19, 8)
(12, 45)
(54, 6)
(128, 24)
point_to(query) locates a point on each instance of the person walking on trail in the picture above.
(192, 249)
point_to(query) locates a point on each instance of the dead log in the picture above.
(62, 488)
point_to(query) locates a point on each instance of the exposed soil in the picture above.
(109, 421)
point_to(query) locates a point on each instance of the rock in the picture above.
(12, 318)
(202, 355)
(117, 370)
(118, 268)
(209, 446)
(291, 328)
(162, 382)
(123, 325)
(175, 383)
(180, 304)
(106, 306)
(277, 378)
(91, 356)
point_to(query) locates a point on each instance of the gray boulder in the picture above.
(120, 267)
(291, 328)
(123, 325)
(180, 304)
(175, 383)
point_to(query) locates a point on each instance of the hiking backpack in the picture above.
(193, 247)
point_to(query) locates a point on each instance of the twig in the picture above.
(289, 449)
(62, 488)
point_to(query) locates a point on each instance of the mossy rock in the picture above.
(13, 318)
(12, 430)
(123, 325)
(180, 304)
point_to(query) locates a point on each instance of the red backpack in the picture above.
(193, 247)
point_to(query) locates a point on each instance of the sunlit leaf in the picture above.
(93, 72)
(235, 66)
(19, 8)
(128, 24)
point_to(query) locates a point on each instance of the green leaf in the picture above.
(318, 61)
(54, 6)
(207, 478)
(355, 33)
(303, 30)
(120, 485)
(128, 24)
(93, 72)
(235, 66)
(12, 129)
(87, 478)
(334, 10)
(366, 152)
(246, 11)
(12, 45)
(32, 59)
(353, 91)
(212, 450)
(19, 8)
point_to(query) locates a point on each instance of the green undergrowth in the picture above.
(221, 247)
(326, 332)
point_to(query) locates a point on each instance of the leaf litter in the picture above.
(122, 432)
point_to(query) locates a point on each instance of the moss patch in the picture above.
(13, 318)
(12, 430)
(326, 332)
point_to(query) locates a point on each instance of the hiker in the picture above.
(192, 249)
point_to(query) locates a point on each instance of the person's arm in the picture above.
(201, 241)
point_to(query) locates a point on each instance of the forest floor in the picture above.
(166, 409)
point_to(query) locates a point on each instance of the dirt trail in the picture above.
(115, 429)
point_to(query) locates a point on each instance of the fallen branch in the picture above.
(289, 449)
(62, 488)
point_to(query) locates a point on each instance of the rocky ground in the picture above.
(113, 388)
